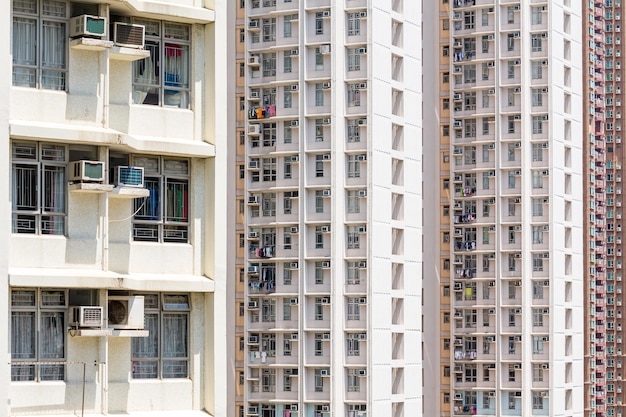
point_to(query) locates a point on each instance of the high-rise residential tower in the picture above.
(332, 234)
(113, 267)
(508, 219)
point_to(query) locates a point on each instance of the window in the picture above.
(319, 166)
(319, 381)
(354, 309)
(537, 207)
(354, 274)
(163, 77)
(269, 64)
(269, 169)
(164, 353)
(510, 42)
(354, 24)
(319, 60)
(319, 94)
(287, 65)
(353, 345)
(242, 35)
(354, 96)
(354, 131)
(287, 131)
(354, 166)
(268, 379)
(510, 69)
(268, 204)
(319, 201)
(354, 238)
(512, 263)
(319, 309)
(537, 234)
(287, 27)
(269, 29)
(354, 201)
(537, 124)
(40, 23)
(537, 179)
(537, 400)
(536, 70)
(38, 188)
(537, 317)
(38, 329)
(353, 383)
(319, 344)
(535, 43)
(319, 238)
(319, 23)
(537, 263)
(287, 344)
(537, 97)
(319, 273)
(537, 15)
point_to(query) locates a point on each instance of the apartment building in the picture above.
(603, 213)
(113, 268)
(509, 213)
(330, 195)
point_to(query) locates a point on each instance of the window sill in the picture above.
(90, 44)
(108, 333)
(85, 187)
(129, 192)
(119, 53)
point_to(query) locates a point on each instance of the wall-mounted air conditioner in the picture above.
(127, 176)
(86, 171)
(126, 312)
(86, 316)
(87, 25)
(129, 35)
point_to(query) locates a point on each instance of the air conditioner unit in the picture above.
(292, 407)
(517, 394)
(254, 129)
(293, 301)
(491, 394)
(254, 60)
(517, 173)
(253, 164)
(325, 229)
(546, 283)
(518, 284)
(253, 305)
(294, 52)
(545, 339)
(293, 265)
(458, 286)
(458, 205)
(325, 409)
(491, 173)
(325, 300)
(491, 92)
(362, 122)
(457, 97)
(294, 229)
(362, 193)
(253, 410)
(362, 51)
(324, 372)
(361, 158)
(491, 146)
(458, 342)
(516, 34)
(325, 49)
(544, 90)
(127, 176)
(458, 69)
(326, 264)
(546, 172)
(129, 35)
(325, 336)
(544, 255)
(361, 300)
(361, 229)
(362, 14)
(491, 256)
(326, 86)
(517, 62)
(362, 372)
(458, 178)
(458, 369)
(87, 25)
(492, 283)
(326, 13)
(457, 151)
(492, 228)
(362, 264)
(253, 24)
(491, 37)
(86, 316)
(362, 336)
(544, 117)
(516, 7)
(253, 235)
(458, 396)
(490, 338)
(545, 228)
(544, 35)
(326, 122)
(294, 336)
(86, 171)
(545, 311)
(253, 339)
(491, 311)
(254, 94)
(491, 64)
(325, 193)
(253, 269)
(253, 199)
(126, 312)
(517, 366)
(458, 123)
(458, 232)
(294, 123)
(517, 311)
(293, 158)
(546, 200)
